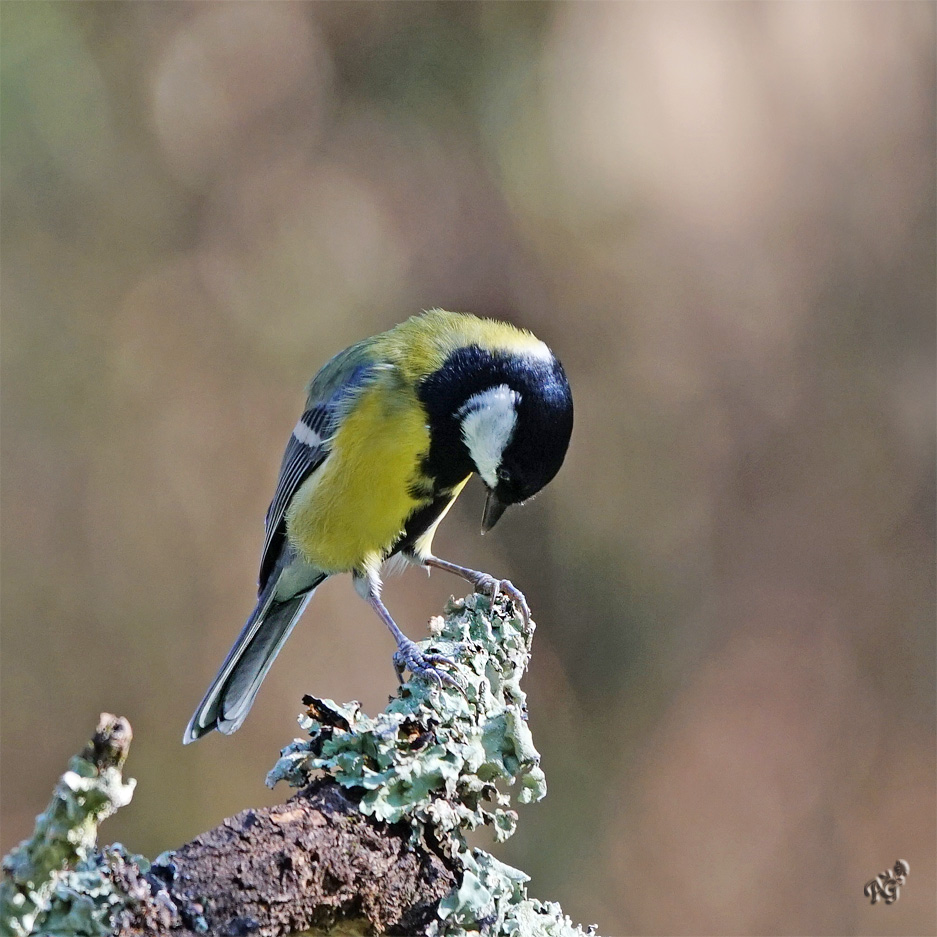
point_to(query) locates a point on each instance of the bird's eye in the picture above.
(504, 475)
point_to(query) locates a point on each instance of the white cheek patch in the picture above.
(488, 420)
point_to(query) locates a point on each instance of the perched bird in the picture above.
(393, 428)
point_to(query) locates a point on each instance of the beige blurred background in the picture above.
(722, 217)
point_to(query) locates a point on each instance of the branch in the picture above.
(309, 864)
(374, 842)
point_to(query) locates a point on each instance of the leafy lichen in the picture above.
(492, 899)
(440, 759)
(443, 760)
(435, 756)
(56, 882)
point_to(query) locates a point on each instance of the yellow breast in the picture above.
(349, 512)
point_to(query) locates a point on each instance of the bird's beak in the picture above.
(493, 511)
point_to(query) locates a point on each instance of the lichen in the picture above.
(56, 882)
(492, 899)
(440, 759)
(436, 756)
(444, 760)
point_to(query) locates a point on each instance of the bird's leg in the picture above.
(408, 656)
(483, 583)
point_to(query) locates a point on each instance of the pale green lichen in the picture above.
(56, 882)
(441, 760)
(84, 901)
(435, 758)
(492, 899)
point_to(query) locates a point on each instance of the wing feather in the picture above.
(330, 395)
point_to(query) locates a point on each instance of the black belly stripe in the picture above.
(420, 521)
(421, 489)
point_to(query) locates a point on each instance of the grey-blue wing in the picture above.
(305, 452)
(330, 394)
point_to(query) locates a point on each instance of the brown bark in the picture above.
(315, 864)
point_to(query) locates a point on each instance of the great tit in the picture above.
(393, 428)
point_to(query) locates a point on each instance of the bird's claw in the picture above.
(488, 585)
(409, 657)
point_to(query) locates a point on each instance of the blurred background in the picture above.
(721, 217)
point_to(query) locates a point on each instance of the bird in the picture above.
(393, 428)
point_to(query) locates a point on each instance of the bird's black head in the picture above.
(504, 414)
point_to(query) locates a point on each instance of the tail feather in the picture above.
(232, 693)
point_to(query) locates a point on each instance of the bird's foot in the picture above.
(488, 585)
(409, 657)
(484, 584)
